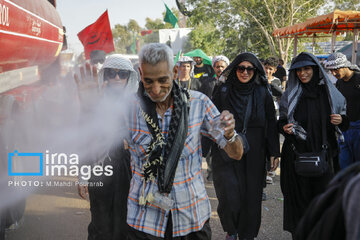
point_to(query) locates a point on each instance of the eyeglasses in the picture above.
(242, 69)
(111, 74)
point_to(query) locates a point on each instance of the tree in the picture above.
(248, 25)
(347, 5)
(121, 38)
(124, 36)
(206, 21)
(155, 24)
(204, 36)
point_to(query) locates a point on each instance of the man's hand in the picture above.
(229, 120)
(335, 119)
(274, 163)
(234, 149)
(83, 191)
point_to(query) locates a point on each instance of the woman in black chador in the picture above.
(239, 184)
(311, 111)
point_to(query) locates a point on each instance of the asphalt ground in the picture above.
(58, 213)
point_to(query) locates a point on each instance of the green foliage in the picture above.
(122, 38)
(247, 25)
(133, 26)
(353, 5)
(154, 24)
(230, 27)
(207, 38)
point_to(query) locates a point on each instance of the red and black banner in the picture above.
(97, 36)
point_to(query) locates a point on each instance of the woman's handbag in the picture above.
(311, 164)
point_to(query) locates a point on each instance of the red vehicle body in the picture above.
(31, 33)
(31, 39)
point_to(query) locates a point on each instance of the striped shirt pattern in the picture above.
(192, 207)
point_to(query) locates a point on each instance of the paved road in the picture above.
(271, 225)
(57, 213)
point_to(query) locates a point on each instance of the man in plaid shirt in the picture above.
(167, 197)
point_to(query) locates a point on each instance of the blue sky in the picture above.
(77, 14)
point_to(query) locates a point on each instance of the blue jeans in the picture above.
(350, 148)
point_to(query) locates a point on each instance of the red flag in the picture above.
(97, 36)
(145, 32)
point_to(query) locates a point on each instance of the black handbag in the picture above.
(313, 164)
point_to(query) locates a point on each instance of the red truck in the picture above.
(31, 39)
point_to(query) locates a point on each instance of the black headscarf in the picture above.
(241, 93)
(310, 108)
(294, 92)
(311, 88)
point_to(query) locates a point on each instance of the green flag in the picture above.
(170, 17)
(177, 56)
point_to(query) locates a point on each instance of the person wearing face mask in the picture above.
(312, 112)
(239, 184)
(108, 203)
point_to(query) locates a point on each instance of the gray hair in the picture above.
(154, 53)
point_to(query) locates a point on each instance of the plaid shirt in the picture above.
(192, 207)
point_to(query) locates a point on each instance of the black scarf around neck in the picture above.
(314, 109)
(312, 89)
(163, 157)
(311, 104)
(239, 96)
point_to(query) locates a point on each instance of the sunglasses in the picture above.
(111, 74)
(242, 69)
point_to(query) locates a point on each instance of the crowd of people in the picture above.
(230, 113)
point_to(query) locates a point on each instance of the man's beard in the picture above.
(158, 101)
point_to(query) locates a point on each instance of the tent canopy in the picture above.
(348, 50)
(337, 21)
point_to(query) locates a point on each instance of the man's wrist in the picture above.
(232, 137)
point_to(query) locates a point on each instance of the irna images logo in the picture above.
(56, 164)
(25, 164)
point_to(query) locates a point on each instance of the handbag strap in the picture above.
(323, 121)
